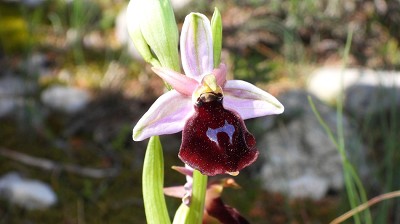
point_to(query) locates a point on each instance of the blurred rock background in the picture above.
(72, 87)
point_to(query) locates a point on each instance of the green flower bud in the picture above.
(152, 27)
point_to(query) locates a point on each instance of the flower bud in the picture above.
(152, 27)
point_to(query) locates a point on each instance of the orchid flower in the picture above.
(207, 108)
(214, 207)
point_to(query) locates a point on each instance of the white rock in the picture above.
(12, 85)
(325, 82)
(29, 194)
(298, 150)
(308, 185)
(180, 4)
(12, 90)
(37, 64)
(30, 3)
(122, 35)
(7, 105)
(65, 99)
(364, 101)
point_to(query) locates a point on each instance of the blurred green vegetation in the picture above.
(14, 34)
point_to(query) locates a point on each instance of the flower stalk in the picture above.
(195, 213)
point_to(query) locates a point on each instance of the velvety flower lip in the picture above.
(207, 107)
(216, 141)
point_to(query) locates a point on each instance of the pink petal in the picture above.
(220, 74)
(179, 82)
(184, 170)
(249, 101)
(175, 191)
(196, 46)
(166, 116)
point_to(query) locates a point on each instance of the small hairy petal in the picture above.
(186, 170)
(220, 74)
(249, 101)
(196, 46)
(175, 191)
(166, 116)
(216, 141)
(179, 82)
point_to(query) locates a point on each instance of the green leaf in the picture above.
(153, 183)
(216, 27)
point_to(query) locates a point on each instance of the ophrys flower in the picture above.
(208, 108)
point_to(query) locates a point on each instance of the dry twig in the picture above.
(366, 205)
(47, 164)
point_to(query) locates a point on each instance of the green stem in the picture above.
(198, 198)
(194, 213)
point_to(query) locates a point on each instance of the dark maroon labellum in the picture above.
(225, 214)
(216, 140)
